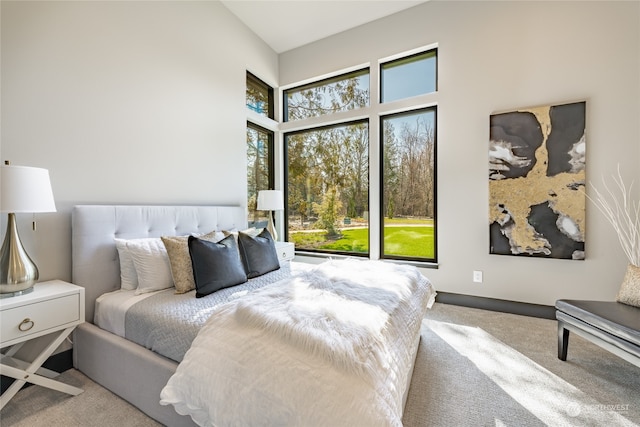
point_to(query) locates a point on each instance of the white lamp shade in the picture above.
(270, 200)
(25, 190)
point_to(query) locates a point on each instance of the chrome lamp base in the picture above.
(18, 273)
(16, 293)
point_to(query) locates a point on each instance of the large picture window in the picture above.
(328, 187)
(327, 165)
(408, 184)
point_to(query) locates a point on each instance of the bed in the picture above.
(155, 376)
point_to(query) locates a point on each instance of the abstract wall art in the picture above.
(536, 182)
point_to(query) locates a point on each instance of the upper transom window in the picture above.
(259, 96)
(407, 77)
(342, 93)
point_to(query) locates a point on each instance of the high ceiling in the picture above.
(285, 25)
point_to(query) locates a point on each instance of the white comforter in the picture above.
(332, 346)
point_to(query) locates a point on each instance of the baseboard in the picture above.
(59, 362)
(492, 304)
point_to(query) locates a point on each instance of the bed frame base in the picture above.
(138, 375)
(128, 370)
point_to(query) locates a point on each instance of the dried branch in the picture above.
(623, 214)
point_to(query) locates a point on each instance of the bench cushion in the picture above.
(618, 319)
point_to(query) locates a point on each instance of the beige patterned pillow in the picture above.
(178, 251)
(629, 292)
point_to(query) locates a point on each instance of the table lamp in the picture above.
(270, 200)
(24, 190)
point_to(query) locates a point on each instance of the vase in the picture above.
(629, 292)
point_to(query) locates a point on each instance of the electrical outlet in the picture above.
(477, 276)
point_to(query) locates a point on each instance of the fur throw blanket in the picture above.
(333, 345)
(337, 314)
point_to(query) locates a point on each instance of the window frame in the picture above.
(410, 56)
(252, 79)
(286, 186)
(264, 124)
(382, 255)
(344, 75)
(373, 113)
(270, 160)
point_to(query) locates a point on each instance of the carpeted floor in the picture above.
(474, 368)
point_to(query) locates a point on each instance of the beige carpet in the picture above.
(474, 368)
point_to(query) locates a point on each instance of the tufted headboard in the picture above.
(94, 257)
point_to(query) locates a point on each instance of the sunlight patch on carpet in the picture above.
(547, 396)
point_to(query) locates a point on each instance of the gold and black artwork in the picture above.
(536, 182)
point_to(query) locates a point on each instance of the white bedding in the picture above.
(111, 309)
(333, 346)
(166, 322)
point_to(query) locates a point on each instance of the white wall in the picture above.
(497, 56)
(125, 102)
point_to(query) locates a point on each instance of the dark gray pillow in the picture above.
(258, 253)
(216, 265)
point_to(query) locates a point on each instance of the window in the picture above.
(328, 169)
(259, 170)
(407, 77)
(260, 151)
(259, 96)
(328, 187)
(342, 93)
(408, 184)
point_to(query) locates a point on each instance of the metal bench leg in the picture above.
(563, 341)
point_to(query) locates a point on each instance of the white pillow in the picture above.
(152, 264)
(128, 275)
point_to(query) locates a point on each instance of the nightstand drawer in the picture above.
(286, 251)
(40, 316)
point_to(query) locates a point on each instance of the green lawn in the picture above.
(410, 241)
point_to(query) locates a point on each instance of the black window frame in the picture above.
(252, 80)
(433, 108)
(406, 58)
(285, 144)
(270, 160)
(376, 109)
(321, 82)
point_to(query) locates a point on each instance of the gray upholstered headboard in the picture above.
(94, 257)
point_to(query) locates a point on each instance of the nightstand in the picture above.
(54, 308)
(286, 251)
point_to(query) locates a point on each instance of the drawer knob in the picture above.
(26, 325)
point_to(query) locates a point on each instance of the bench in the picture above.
(611, 325)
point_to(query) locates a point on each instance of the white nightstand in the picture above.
(286, 251)
(54, 307)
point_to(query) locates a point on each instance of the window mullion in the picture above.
(375, 189)
(375, 181)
